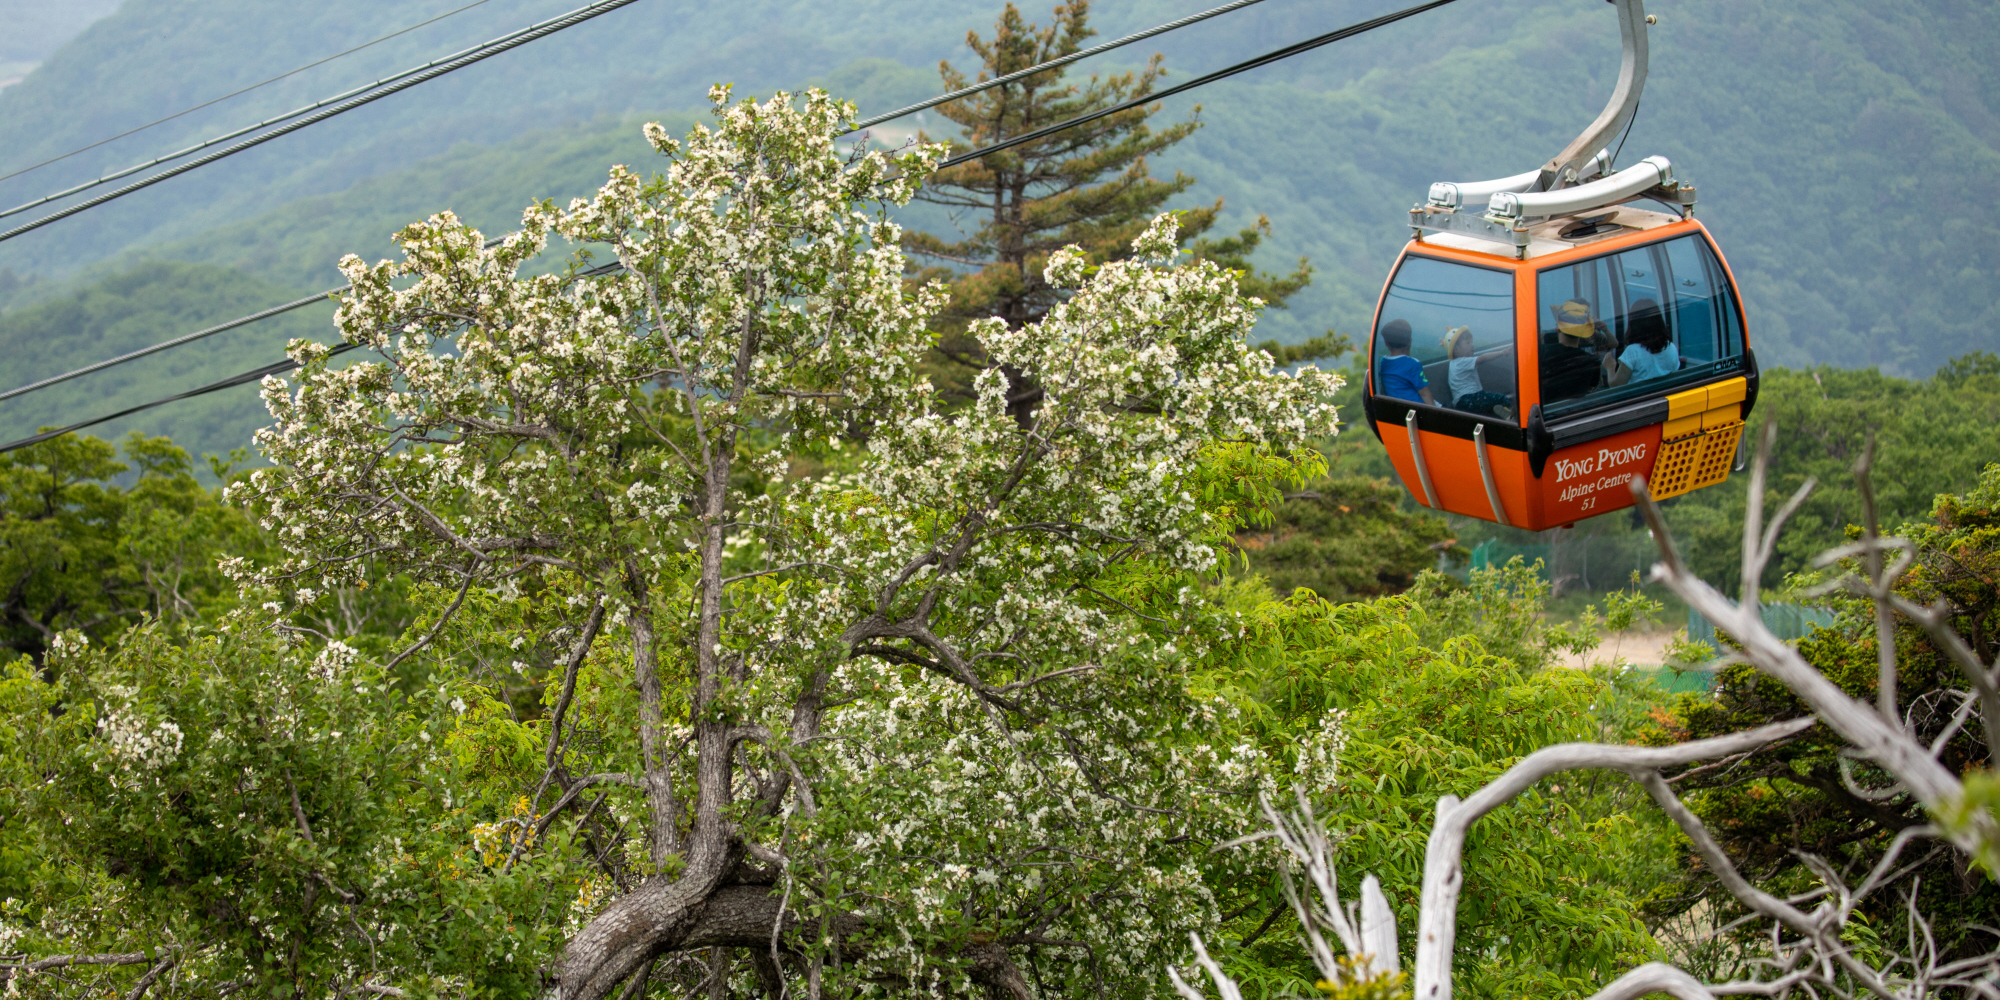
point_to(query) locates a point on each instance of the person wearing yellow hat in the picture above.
(1569, 367)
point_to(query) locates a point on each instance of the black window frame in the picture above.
(1718, 369)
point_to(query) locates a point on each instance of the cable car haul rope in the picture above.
(413, 77)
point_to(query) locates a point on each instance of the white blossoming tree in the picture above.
(921, 722)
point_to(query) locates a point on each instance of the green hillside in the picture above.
(132, 310)
(1827, 144)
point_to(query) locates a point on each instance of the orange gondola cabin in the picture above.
(1529, 361)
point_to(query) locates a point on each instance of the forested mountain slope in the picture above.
(1845, 152)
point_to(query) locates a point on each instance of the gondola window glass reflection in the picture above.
(1634, 324)
(1450, 313)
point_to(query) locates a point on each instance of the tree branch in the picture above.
(444, 618)
(1654, 977)
(576, 658)
(65, 961)
(152, 975)
(576, 788)
(1444, 876)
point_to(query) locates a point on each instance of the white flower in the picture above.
(331, 661)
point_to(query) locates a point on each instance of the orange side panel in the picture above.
(1455, 473)
(1454, 466)
(1593, 478)
(1511, 478)
(1397, 443)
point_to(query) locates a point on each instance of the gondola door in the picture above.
(1643, 370)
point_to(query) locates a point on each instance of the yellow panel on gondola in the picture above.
(1698, 450)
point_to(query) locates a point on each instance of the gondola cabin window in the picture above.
(1643, 322)
(1447, 330)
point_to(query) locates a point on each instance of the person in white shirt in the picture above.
(1462, 377)
(1650, 352)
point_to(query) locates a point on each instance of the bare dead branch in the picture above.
(1936, 623)
(1444, 877)
(1654, 977)
(1882, 740)
(1880, 584)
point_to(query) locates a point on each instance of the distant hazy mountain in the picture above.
(31, 29)
(36, 28)
(1847, 152)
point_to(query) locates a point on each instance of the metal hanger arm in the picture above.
(1563, 171)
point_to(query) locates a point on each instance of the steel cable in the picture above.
(1267, 58)
(176, 342)
(1051, 64)
(402, 82)
(231, 382)
(236, 93)
(1201, 81)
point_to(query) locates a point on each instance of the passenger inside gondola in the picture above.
(1651, 352)
(1468, 391)
(1635, 323)
(1400, 375)
(1570, 365)
(1428, 298)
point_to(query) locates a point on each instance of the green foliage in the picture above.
(164, 823)
(1351, 533)
(78, 551)
(1932, 437)
(1089, 187)
(282, 815)
(1388, 986)
(1327, 345)
(1981, 796)
(1346, 538)
(1437, 692)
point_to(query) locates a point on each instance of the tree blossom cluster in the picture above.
(937, 703)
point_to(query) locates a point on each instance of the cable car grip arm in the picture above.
(1567, 166)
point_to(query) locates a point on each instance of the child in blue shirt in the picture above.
(1400, 375)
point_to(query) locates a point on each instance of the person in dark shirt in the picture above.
(1569, 367)
(1400, 375)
